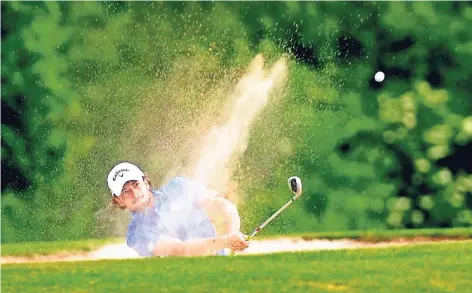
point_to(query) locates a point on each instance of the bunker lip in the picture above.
(265, 246)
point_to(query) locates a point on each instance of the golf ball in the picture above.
(379, 76)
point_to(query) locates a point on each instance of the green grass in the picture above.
(438, 267)
(48, 248)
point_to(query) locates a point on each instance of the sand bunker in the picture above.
(266, 246)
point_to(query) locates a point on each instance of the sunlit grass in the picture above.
(48, 248)
(438, 267)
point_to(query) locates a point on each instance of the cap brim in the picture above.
(118, 188)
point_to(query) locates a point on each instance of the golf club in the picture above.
(295, 184)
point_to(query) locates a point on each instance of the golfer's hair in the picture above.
(114, 203)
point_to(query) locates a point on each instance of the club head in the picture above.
(295, 184)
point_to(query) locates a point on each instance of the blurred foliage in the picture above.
(85, 84)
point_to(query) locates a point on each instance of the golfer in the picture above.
(175, 220)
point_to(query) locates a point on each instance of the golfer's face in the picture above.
(135, 195)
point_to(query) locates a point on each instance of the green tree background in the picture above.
(85, 84)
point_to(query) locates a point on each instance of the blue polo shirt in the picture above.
(175, 213)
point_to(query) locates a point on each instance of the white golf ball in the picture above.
(379, 76)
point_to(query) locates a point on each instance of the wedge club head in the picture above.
(295, 184)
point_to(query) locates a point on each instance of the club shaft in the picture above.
(272, 217)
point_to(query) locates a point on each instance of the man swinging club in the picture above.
(176, 219)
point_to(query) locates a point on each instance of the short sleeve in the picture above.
(189, 189)
(200, 190)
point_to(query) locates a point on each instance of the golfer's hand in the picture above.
(237, 241)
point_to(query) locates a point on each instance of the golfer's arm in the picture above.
(170, 246)
(230, 214)
(226, 210)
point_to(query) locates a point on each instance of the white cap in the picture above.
(122, 173)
